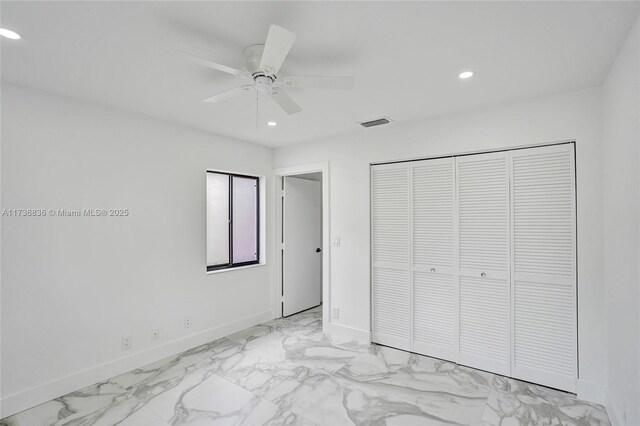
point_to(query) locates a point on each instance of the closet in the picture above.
(474, 261)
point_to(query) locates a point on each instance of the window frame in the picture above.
(231, 264)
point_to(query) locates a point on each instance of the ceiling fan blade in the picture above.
(318, 82)
(214, 65)
(228, 94)
(284, 101)
(276, 49)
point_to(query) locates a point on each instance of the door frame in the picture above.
(280, 172)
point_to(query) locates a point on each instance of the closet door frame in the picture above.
(509, 368)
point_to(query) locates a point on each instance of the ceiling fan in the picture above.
(263, 62)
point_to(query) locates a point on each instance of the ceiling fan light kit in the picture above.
(263, 63)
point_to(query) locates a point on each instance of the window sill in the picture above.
(219, 271)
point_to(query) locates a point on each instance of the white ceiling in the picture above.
(405, 57)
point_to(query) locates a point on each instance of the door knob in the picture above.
(483, 275)
(433, 269)
(318, 250)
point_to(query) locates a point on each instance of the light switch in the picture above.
(335, 242)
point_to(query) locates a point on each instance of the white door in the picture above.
(390, 255)
(302, 257)
(484, 257)
(435, 253)
(544, 266)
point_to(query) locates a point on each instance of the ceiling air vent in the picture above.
(373, 123)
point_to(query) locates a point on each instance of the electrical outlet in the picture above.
(127, 342)
(187, 322)
(335, 242)
(155, 333)
(335, 312)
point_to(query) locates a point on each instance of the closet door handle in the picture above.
(483, 275)
(433, 269)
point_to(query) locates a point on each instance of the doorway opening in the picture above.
(303, 241)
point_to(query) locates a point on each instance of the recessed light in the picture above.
(9, 34)
(271, 123)
(465, 74)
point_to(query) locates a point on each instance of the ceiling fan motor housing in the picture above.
(252, 56)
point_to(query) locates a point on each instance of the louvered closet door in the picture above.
(484, 254)
(390, 240)
(435, 275)
(544, 266)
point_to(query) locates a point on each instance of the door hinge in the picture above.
(282, 193)
(282, 246)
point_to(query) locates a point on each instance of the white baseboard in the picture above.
(19, 401)
(344, 333)
(592, 392)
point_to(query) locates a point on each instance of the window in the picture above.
(232, 220)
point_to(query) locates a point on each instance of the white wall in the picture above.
(72, 286)
(575, 115)
(621, 100)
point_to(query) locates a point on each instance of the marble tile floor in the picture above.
(286, 372)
